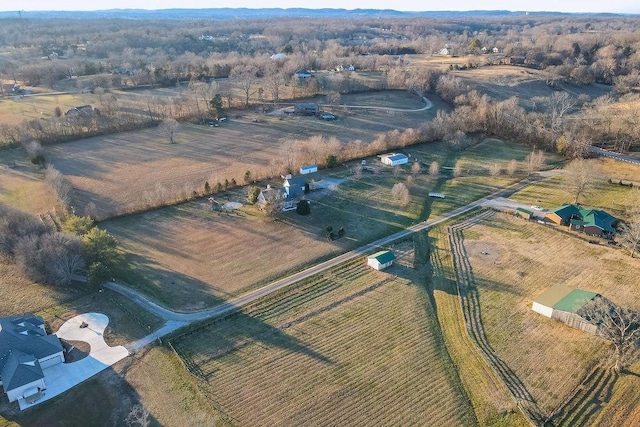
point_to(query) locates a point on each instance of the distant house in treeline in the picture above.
(303, 74)
(82, 111)
(306, 109)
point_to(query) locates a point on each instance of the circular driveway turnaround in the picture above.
(63, 376)
(92, 334)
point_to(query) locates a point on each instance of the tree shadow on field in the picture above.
(105, 399)
(170, 288)
(449, 161)
(208, 346)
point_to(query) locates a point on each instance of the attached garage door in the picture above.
(51, 360)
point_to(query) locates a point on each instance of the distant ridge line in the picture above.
(265, 13)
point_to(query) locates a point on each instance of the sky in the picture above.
(615, 6)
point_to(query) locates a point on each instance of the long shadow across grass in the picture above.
(470, 299)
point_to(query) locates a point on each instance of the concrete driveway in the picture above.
(62, 377)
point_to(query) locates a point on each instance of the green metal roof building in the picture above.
(381, 260)
(564, 303)
(589, 221)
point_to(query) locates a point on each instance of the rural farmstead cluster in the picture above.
(314, 216)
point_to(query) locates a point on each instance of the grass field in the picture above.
(501, 82)
(21, 184)
(513, 262)
(611, 197)
(118, 172)
(353, 347)
(491, 401)
(19, 295)
(189, 258)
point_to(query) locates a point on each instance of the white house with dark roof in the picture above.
(292, 191)
(25, 350)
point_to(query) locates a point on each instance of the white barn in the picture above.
(394, 159)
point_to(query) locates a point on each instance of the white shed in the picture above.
(308, 169)
(381, 260)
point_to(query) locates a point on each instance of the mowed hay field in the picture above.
(21, 184)
(123, 172)
(501, 82)
(352, 347)
(514, 261)
(189, 258)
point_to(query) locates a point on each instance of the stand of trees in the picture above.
(54, 257)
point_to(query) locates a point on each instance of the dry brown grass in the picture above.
(522, 260)
(121, 172)
(489, 397)
(623, 408)
(168, 392)
(355, 347)
(127, 321)
(21, 185)
(191, 258)
(18, 295)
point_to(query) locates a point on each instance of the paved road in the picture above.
(616, 156)
(175, 320)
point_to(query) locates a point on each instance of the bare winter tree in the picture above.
(416, 168)
(168, 128)
(619, 325)
(534, 160)
(246, 77)
(33, 149)
(14, 226)
(434, 169)
(629, 236)
(457, 169)
(580, 178)
(629, 232)
(495, 169)
(58, 184)
(401, 193)
(512, 167)
(50, 258)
